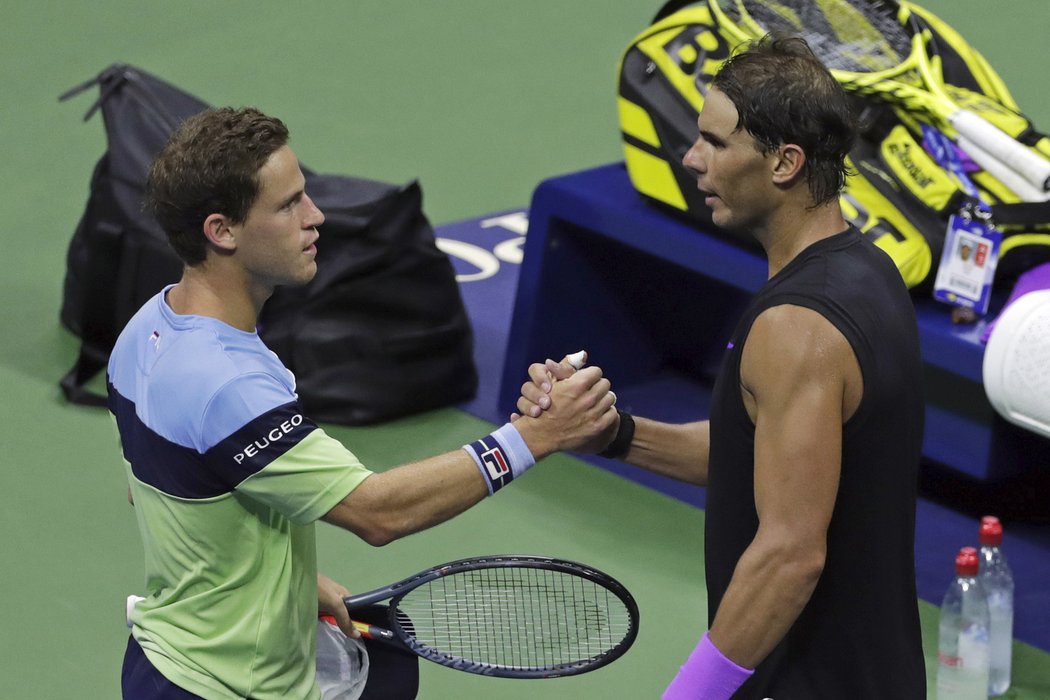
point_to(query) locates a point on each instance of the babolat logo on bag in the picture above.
(898, 195)
(902, 153)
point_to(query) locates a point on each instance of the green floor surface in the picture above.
(480, 100)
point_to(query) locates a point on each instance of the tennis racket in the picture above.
(510, 616)
(880, 49)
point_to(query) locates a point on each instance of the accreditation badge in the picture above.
(968, 260)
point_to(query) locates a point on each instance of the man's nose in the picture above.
(692, 159)
(316, 216)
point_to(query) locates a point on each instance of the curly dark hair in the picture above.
(784, 94)
(210, 165)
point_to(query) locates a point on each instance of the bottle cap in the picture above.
(991, 531)
(966, 562)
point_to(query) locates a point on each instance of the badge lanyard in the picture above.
(971, 245)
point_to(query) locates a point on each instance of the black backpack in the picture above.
(380, 332)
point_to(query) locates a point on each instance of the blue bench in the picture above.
(654, 299)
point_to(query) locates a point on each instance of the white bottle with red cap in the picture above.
(998, 583)
(963, 645)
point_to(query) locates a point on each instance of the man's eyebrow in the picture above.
(711, 136)
(292, 198)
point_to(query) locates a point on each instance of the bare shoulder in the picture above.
(789, 344)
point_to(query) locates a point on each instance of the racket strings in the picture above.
(886, 52)
(859, 36)
(516, 617)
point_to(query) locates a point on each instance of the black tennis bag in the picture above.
(380, 332)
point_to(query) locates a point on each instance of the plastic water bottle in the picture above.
(963, 644)
(998, 583)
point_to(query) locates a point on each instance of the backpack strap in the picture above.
(90, 361)
(1028, 214)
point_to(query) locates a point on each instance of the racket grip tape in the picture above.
(1014, 154)
(372, 632)
(1013, 180)
(367, 631)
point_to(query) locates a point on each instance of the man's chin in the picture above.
(302, 279)
(722, 221)
(730, 224)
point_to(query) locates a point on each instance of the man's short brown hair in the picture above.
(210, 165)
(784, 94)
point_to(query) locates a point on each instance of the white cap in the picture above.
(1017, 363)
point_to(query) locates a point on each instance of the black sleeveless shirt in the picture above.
(859, 635)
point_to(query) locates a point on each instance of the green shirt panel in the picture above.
(231, 581)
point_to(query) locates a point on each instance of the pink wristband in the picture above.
(707, 674)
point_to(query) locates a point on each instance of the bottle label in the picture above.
(948, 660)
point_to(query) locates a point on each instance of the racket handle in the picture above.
(1013, 180)
(367, 631)
(1005, 148)
(372, 632)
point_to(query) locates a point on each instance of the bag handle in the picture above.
(106, 85)
(670, 7)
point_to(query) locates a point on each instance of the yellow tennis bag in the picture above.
(898, 194)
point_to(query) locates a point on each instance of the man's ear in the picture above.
(788, 163)
(219, 232)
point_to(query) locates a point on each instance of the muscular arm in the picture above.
(413, 497)
(392, 504)
(679, 451)
(800, 382)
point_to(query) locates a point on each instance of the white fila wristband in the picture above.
(501, 456)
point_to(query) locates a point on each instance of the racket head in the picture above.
(882, 50)
(517, 616)
(852, 36)
(876, 48)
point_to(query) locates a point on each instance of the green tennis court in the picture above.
(479, 100)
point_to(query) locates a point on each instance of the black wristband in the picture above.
(622, 442)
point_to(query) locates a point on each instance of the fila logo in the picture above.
(495, 462)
